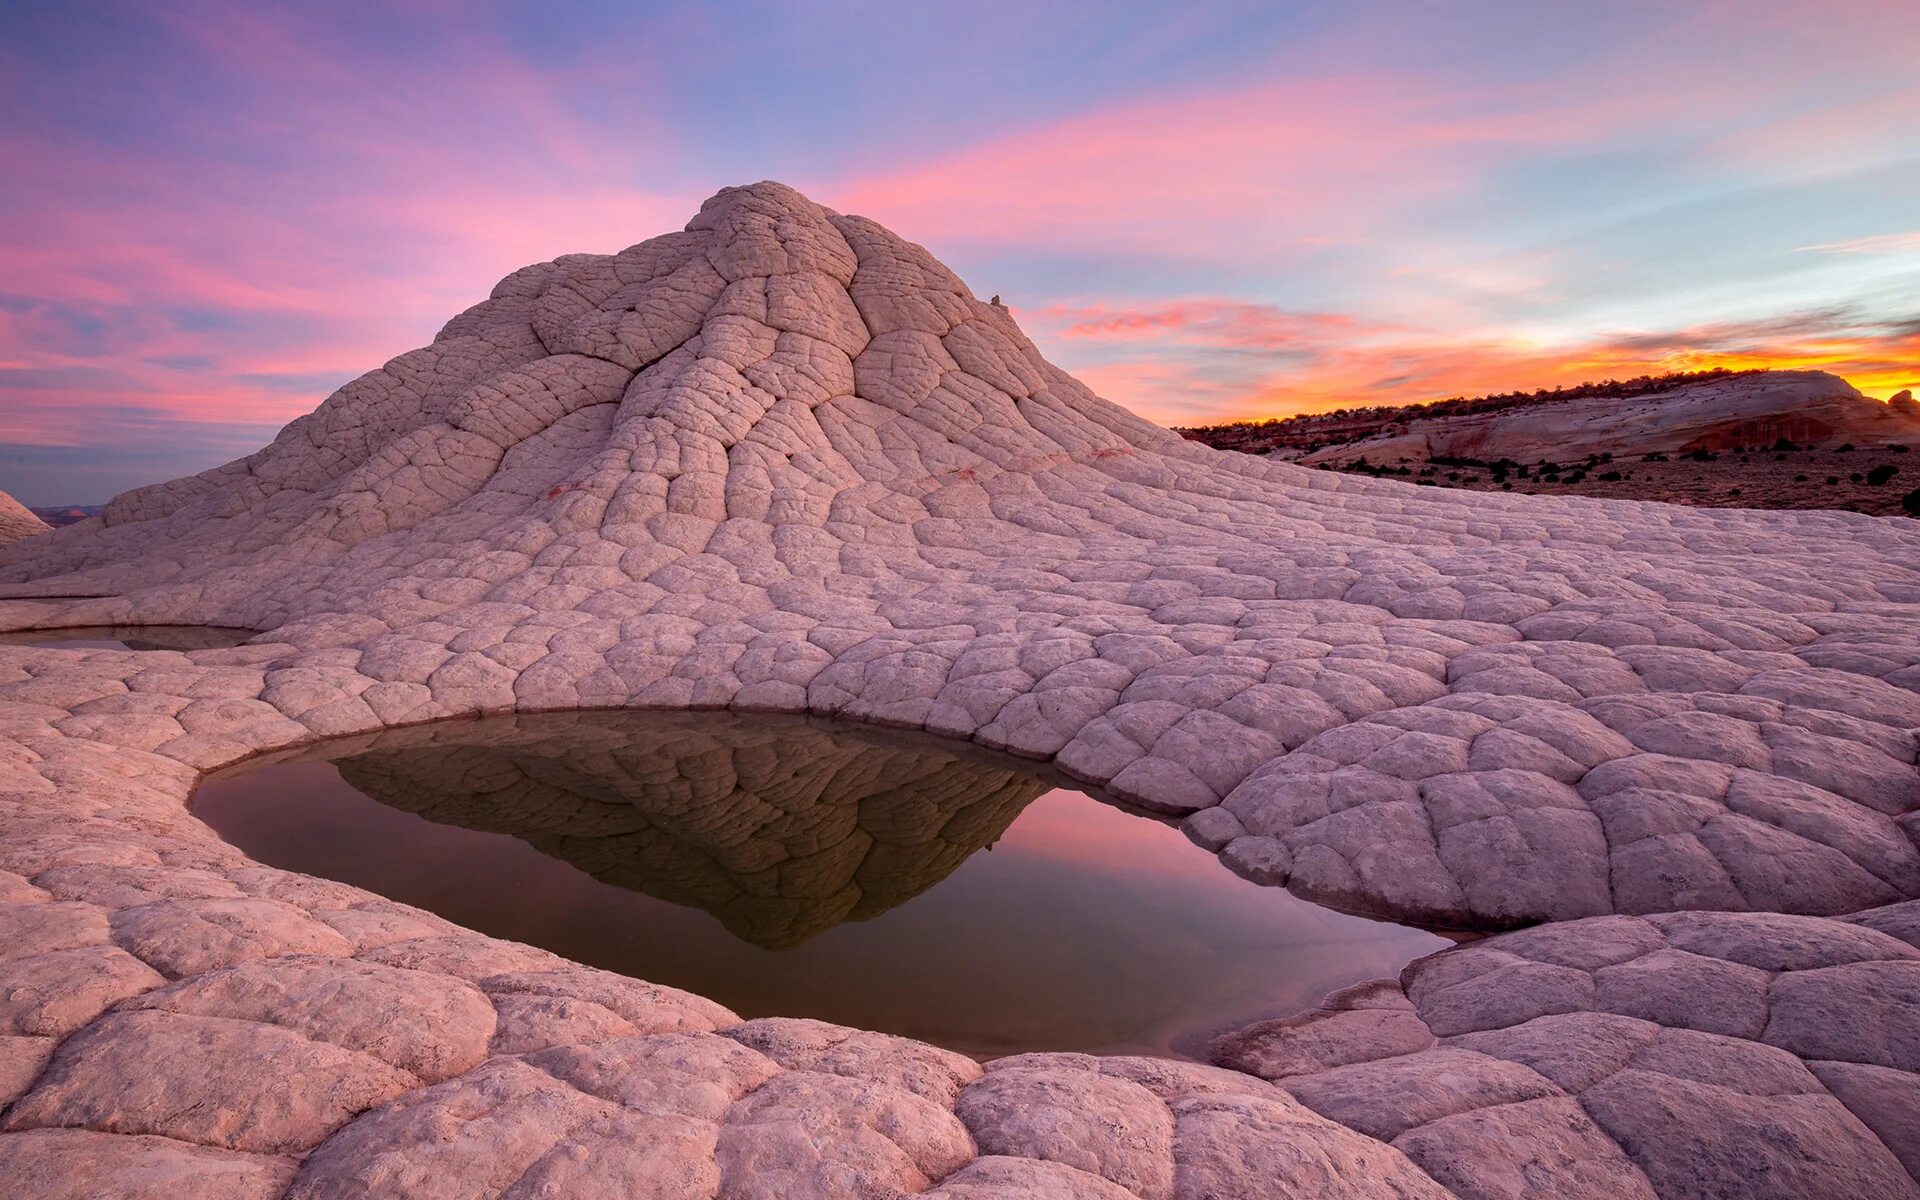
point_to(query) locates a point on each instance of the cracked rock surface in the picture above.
(783, 460)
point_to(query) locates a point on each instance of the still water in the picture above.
(132, 637)
(784, 866)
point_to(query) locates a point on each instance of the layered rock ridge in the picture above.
(784, 460)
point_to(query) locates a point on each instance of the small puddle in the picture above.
(786, 866)
(133, 637)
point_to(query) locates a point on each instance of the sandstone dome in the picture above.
(747, 373)
(785, 460)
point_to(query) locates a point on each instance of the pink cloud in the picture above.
(1880, 243)
(346, 213)
(1274, 169)
(1227, 324)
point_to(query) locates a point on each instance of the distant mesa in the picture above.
(1810, 409)
(63, 515)
(17, 521)
(1805, 408)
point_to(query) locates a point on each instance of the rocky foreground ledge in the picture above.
(785, 461)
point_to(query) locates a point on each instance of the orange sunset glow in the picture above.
(1249, 212)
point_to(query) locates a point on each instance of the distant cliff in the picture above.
(1712, 412)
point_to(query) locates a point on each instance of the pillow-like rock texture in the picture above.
(784, 460)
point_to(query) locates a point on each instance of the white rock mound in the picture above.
(785, 460)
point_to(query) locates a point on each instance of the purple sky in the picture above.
(213, 215)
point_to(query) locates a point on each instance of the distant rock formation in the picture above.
(68, 514)
(1757, 410)
(16, 521)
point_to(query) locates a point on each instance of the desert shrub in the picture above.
(1910, 503)
(1832, 479)
(1799, 478)
(1784, 444)
(1610, 477)
(1854, 478)
(1882, 473)
(1897, 449)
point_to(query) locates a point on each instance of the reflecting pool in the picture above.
(786, 866)
(133, 637)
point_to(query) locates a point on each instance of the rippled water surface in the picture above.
(789, 867)
(132, 637)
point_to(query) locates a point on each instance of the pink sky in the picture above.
(214, 217)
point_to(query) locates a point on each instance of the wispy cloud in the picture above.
(1879, 243)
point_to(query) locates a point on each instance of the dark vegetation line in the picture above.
(1312, 431)
(1783, 475)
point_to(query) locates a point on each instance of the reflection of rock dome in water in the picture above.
(780, 828)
